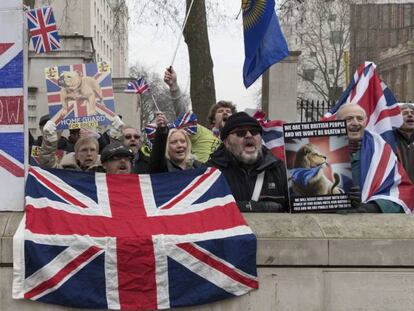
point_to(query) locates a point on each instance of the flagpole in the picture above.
(155, 103)
(181, 34)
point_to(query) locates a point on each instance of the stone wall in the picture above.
(307, 262)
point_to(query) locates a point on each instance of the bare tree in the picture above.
(158, 90)
(321, 32)
(171, 13)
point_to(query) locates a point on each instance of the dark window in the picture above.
(336, 37)
(309, 74)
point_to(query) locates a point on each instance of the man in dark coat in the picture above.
(405, 139)
(257, 179)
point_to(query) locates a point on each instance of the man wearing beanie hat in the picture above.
(117, 159)
(256, 178)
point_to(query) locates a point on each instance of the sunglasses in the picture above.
(242, 132)
(119, 157)
(129, 136)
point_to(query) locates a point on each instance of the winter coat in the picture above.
(242, 180)
(158, 163)
(405, 151)
(48, 158)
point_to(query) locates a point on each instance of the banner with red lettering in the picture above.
(11, 106)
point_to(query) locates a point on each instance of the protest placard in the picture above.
(318, 165)
(80, 95)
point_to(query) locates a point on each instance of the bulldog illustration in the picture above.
(76, 87)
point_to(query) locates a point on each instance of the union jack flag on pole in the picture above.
(12, 153)
(139, 86)
(91, 240)
(372, 94)
(42, 26)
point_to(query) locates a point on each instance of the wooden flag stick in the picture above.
(181, 34)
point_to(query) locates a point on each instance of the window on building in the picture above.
(94, 8)
(332, 17)
(331, 71)
(312, 54)
(336, 37)
(32, 119)
(309, 74)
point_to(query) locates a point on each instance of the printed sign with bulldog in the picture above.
(80, 95)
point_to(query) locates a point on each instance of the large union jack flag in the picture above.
(42, 27)
(11, 106)
(372, 94)
(132, 241)
(78, 111)
(382, 176)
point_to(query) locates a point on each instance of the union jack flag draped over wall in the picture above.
(382, 175)
(79, 111)
(367, 90)
(42, 27)
(139, 86)
(11, 106)
(92, 240)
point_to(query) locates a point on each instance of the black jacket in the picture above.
(405, 151)
(242, 180)
(158, 163)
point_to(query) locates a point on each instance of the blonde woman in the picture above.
(171, 150)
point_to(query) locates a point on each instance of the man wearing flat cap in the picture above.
(256, 178)
(117, 159)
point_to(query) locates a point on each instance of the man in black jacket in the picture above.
(405, 139)
(256, 178)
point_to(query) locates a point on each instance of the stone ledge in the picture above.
(305, 239)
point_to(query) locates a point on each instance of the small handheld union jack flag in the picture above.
(42, 27)
(187, 122)
(139, 86)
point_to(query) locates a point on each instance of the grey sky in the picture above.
(154, 47)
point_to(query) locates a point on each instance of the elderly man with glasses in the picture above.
(256, 178)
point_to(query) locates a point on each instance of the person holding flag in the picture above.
(380, 183)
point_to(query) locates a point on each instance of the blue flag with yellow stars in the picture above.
(264, 43)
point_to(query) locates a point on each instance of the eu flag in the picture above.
(264, 43)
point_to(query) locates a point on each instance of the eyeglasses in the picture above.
(129, 136)
(243, 131)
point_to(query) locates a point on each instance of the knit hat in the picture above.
(116, 149)
(236, 120)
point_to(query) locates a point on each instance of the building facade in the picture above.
(383, 32)
(90, 31)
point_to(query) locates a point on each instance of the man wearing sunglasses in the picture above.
(133, 140)
(256, 178)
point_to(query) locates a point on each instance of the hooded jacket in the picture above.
(48, 158)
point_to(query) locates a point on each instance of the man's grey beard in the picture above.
(249, 159)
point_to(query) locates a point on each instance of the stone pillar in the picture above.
(126, 104)
(279, 89)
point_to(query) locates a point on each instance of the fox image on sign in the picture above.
(76, 87)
